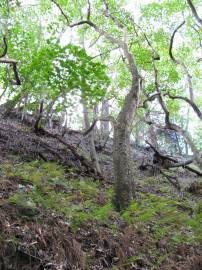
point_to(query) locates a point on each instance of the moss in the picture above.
(78, 205)
(168, 217)
(35, 171)
(78, 200)
(24, 203)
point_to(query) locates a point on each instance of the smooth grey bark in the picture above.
(87, 125)
(25, 102)
(105, 124)
(95, 113)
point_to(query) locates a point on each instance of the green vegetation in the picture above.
(79, 201)
(167, 217)
(76, 199)
(102, 93)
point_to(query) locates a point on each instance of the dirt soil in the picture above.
(38, 238)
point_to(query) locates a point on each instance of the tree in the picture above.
(150, 70)
(123, 124)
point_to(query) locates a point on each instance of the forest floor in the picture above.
(54, 216)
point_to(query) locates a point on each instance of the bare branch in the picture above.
(61, 10)
(190, 102)
(86, 132)
(171, 42)
(172, 126)
(17, 78)
(178, 62)
(89, 10)
(194, 12)
(149, 98)
(121, 44)
(4, 60)
(14, 65)
(174, 162)
(114, 19)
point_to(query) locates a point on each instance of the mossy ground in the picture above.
(164, 220)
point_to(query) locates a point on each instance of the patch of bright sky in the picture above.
(28, 2)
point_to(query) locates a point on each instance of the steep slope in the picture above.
(56, 216)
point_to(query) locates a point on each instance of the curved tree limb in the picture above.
(172, 126)
(86, 132)
(190, 102)
(123, 45)
(178, 62)
(174, 162)
(61, 10)
(5, 60)
(172, 41)
(12, 62)
(194, 12)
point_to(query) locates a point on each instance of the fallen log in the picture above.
(89, 167)
(173, 162)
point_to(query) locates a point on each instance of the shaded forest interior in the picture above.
(100, 135)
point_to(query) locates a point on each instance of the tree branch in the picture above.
(12, 62)
(86, 132)
(178, 62)
(194, 12)
(123, 45)
(61, 10)
(114, 19)
(172, 126)
(190, 102)
(174, 162)
(171, 42)
(5, 48)
(89, 10)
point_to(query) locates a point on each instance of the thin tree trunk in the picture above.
(93, 153)
(24, 107)
(105, 125)
(96, 130)
(37, 124)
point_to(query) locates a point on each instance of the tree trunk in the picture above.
(24, 107)
(105, 125)
(95, 115)
(93, 153)
(122, 166)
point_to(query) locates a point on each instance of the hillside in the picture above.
(57, 216)
(100, 135)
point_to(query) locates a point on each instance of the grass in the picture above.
(78, 200)
(166, 220)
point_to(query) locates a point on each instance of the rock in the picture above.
(28, 208)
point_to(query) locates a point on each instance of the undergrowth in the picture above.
(167, 217)
(83, 200)
(79, 200)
